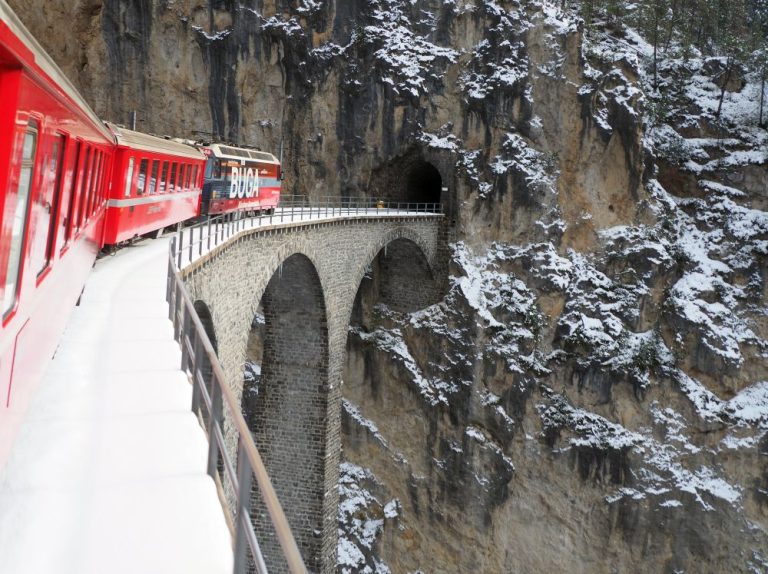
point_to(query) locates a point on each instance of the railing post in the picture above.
(181, 246)
(169, 279)
(243, 506)
(216, 418)
(177, 300)
(185, 320)
(196, 392)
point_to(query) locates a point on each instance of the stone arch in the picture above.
(404, 233)
(400, 277)
(281, 254)
(287, 409)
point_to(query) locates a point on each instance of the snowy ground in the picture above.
(108, 472)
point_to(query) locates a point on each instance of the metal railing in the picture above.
(213, 402)
(194, 241)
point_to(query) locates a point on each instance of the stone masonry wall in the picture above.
(233, 279)
(287, 413)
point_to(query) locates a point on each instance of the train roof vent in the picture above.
(234, 151)
(262, 156)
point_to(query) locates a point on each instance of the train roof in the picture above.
(45, 63)
(146, 142)
(222, 151)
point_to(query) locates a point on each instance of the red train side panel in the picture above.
(55, 157)
(155, 183)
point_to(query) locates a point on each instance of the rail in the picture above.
(192, 242)
(211, 397)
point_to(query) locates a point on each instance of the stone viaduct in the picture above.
(305, 279)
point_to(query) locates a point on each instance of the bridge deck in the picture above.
(108, 472)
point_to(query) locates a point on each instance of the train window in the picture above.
(99, 183)
(20, 215)
(181, 177)
(216, 169)
(105, 182)
(142, 183)
(92, 188)
(85, 181)
(51, 202)
(163, 178)
(194, 176)
(66, 223)
(189, 177)
(172, 182)
(153, 177)
(129, 177)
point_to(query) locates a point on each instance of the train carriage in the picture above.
(239, 179)
(55, 158)
(156, 183)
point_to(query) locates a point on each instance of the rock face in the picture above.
(591, 395)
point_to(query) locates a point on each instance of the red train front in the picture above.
(239, 179)
(156, 183)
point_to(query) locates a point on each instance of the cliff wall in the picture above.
(591, 395)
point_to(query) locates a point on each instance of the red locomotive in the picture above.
(239, 179)
(155, 183)
(70, 185)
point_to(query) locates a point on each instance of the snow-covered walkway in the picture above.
(108, 472)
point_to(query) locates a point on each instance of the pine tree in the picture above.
(757, 16)
(652, 18)
(731, 36)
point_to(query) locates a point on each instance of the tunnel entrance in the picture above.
(423, 183)
(408, 178)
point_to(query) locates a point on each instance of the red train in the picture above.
(239, 179)
(155, 183)
(71, 185)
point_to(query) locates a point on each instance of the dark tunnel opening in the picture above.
(424, 183)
